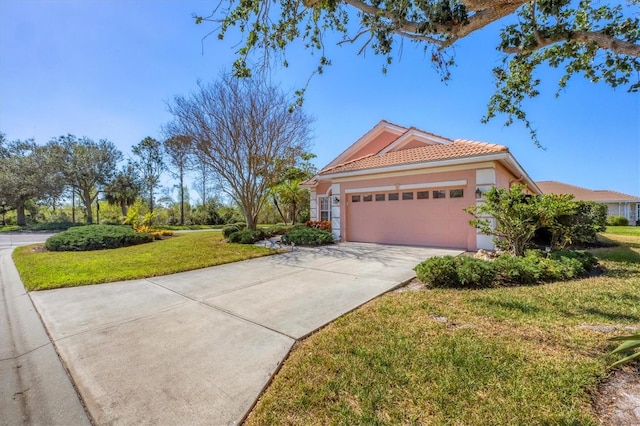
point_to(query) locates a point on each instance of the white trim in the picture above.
(335, 211)
(415, 134)
(502, 156)
(510, 159)
(371, 189)
(462, 182)
(413, 172)
(413, 166)
(365, 139)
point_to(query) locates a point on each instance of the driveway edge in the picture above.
(304, 337)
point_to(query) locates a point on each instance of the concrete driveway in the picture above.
(199, 347)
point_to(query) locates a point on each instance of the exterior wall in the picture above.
(485, 180)
(433, 222)
(336, 222)
(624, 209)
(314, 214)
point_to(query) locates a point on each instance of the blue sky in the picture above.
(105, 69)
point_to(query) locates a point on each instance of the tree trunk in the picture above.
(181, 197)
(123, 207)
(86, 199)
(151, 200)
(22, 219)
(275, 203)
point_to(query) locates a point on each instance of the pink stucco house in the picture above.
(399, 185)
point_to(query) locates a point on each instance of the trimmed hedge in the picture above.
(508, 270)
(617, 221)
(53, 226)
(246, 236)
(304, 236)
(456, 272)
(228, 230)
(96, 237)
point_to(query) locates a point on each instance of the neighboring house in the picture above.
(398, 185)
(618, 204)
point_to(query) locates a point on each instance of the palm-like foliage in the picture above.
(124, 189)
(629, 343)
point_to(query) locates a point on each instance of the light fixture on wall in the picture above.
(336, 199)
(478, 193)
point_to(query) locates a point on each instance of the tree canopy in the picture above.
(89, 166)
(598, 40)
(244, 131)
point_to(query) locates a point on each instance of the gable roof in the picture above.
(584, 194)
(389, 147)
(427, 153)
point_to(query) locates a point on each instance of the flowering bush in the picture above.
(323, 225)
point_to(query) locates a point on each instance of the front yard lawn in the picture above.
(41, 270)
(517, 355)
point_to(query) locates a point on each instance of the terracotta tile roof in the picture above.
(583, 194)
(460, 148)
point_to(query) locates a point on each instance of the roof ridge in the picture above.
(481, 143)
(429, 133)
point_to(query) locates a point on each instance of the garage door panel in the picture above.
(430, 222)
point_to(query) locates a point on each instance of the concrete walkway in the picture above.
(34, 387)
(199, 347)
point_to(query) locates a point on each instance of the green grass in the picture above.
(624, 230)
(625, 247)
(10, 228)
(504, 356)
(41, 270)
(188, 227)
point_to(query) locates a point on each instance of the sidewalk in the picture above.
(34, 387)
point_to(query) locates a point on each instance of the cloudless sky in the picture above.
(106, 69)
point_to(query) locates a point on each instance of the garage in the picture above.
(421, 217)
(402, 185)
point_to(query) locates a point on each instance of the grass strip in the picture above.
(41, 270)
(503, 356)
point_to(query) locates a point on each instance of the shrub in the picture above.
(96, 237)
(273, 230)
(475, 272)
(307, 237)
(587, 260)
(617, 221)
(53, 226)
(323, 225)
(454, 272)
(228, 230)
(533, 268)
(525, 270)
(246, 236)
(438, 271)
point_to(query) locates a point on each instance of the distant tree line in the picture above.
(247, 151)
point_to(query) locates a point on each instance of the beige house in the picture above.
(618, 204)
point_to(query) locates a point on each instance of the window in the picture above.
(423, 195)
(325, 209)
(440, 193)
(380, 197)
(367, 198)
(407, 195)
(456, 193)
(393, 196)
(355, 198)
